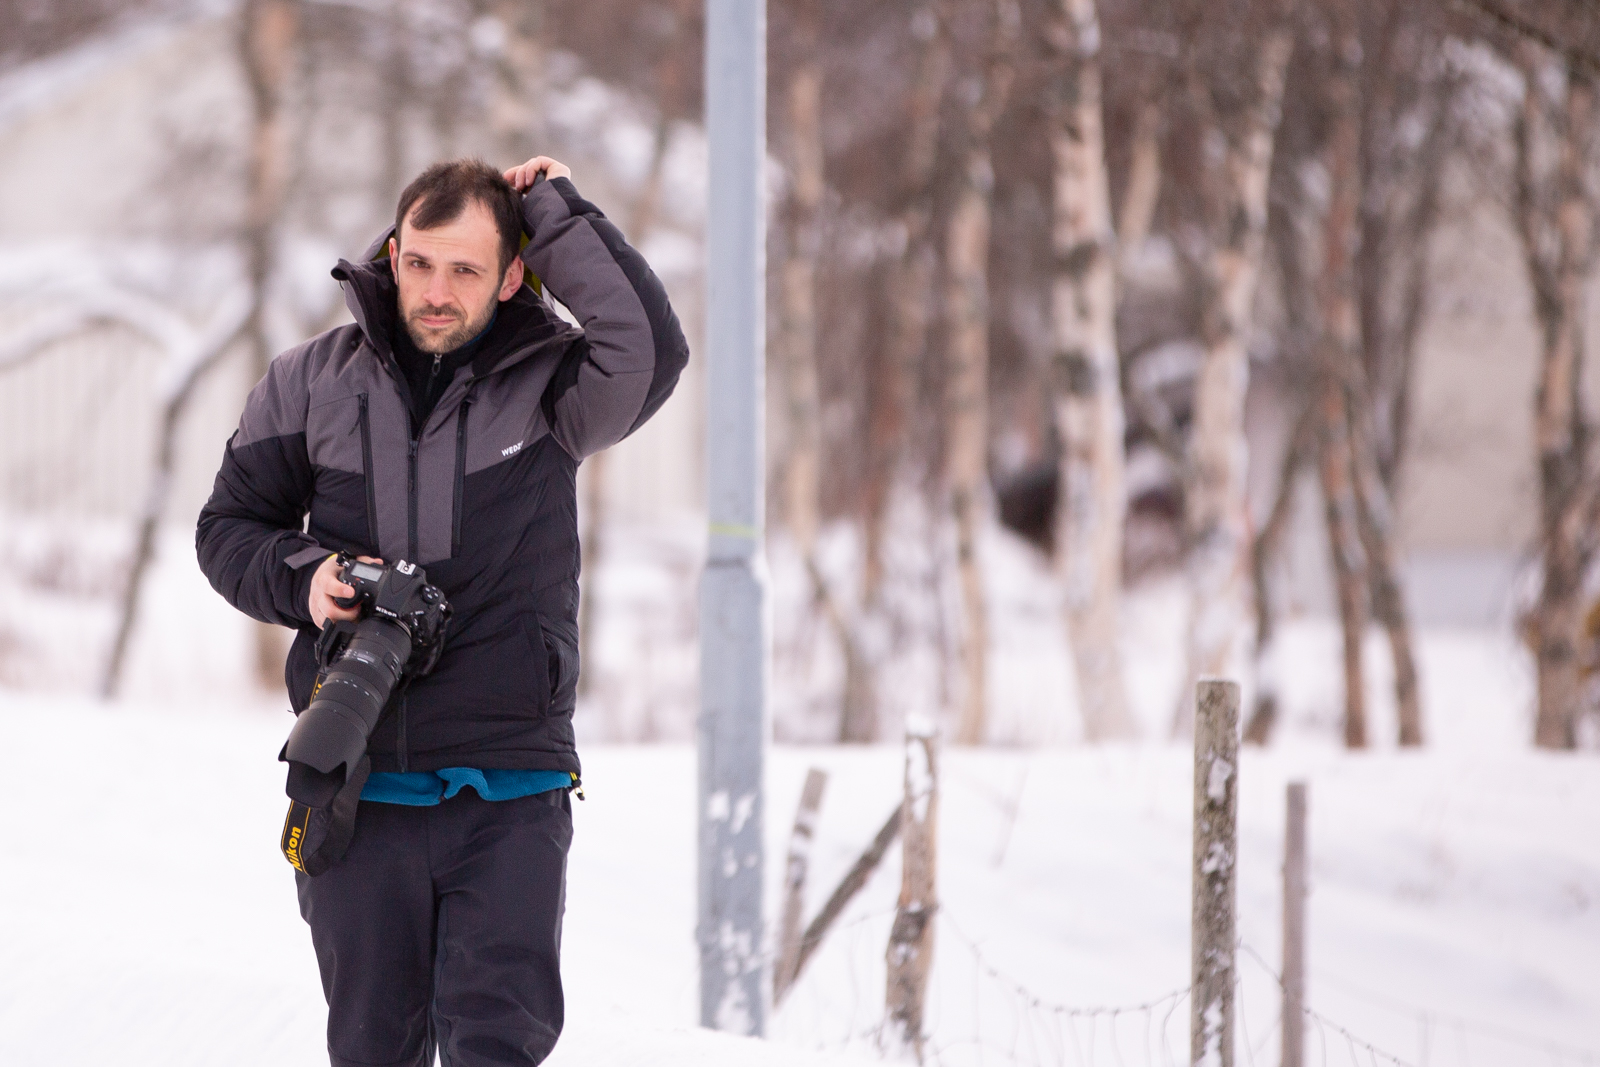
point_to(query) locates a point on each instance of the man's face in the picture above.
(450, 279)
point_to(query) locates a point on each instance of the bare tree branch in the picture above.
(187, 371)
(1522, 27)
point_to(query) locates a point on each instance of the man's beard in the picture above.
(435, 343)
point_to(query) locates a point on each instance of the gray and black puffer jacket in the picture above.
(483, 494)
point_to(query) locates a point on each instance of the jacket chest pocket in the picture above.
(339, 434)
(339, 439)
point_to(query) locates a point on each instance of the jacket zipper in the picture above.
(461, 475)
(366, 460)
(411, 475)
(411, 498)
(411, 538)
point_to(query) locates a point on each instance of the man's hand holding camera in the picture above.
(325, 585)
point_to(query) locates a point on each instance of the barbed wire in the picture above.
(1049, 1031)
(1061, 1037)
(1428, 1016)
(1059, 1024)
(1377, 1054)
(1171, 1001)
(1038, 1002)
(1323, 1021)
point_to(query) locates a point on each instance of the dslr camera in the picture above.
(396, 638)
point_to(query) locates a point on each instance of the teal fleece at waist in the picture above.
(420, 789)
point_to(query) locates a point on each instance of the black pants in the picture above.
(441, 928)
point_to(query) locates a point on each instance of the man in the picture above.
(445, 427)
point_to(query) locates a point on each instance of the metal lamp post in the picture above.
(733, 724)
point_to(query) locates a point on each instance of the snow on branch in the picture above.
(100, 305)
(188, 362)
(21, 348)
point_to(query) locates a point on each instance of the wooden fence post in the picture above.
(1295, 886)
(794, 881)
(910, 952)
(1216, 853)
(851, 884)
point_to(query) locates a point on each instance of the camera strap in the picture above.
(315, 839)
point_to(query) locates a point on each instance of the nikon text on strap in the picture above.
(315, 839)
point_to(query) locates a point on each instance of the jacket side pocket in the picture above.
(562, 662)
(543, 668)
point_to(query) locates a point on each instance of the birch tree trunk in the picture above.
(966, 420)
(1391, 280)
(267, 48)
(1142, 192)
(267, 38)
(1268, 539)
(1393, 276)
(1088, 396)
(910, 284)
(1339, 352)
(1286, 228)
(1563, 434)
(1217, 519)
(797, 310)
(802, 474)
(1383, 190)
(1375, 521)
(1375, 524)
(966, 291)
(1344, 542)
(910, 952)
(1556, 226)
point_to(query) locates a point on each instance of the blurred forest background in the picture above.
(1110, 344)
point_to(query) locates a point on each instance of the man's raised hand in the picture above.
(521, 177)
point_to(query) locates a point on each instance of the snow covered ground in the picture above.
(1454, 916)
(1455, 913)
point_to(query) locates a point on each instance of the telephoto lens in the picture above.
(330, 736)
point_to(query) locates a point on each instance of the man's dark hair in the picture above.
(441, 193)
